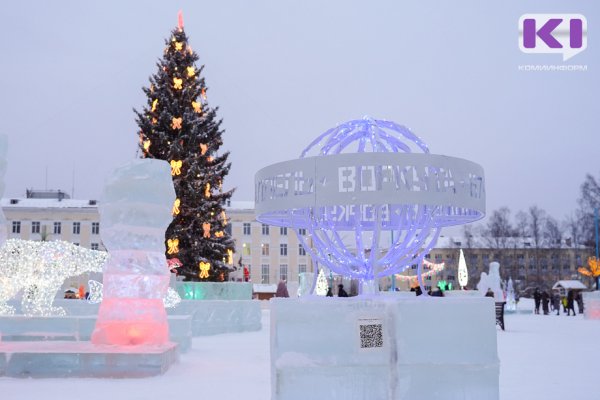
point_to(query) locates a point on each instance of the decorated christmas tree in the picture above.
(179, 126)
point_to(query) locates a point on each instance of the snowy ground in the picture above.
(542, 357)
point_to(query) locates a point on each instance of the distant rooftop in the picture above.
(46, 194)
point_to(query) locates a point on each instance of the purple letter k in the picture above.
(545, 33)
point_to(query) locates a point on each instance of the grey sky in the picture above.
(282, 72)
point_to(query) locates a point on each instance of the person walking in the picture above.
(570, 301)
(537, 298)
(329, 292)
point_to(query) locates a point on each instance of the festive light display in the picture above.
(176, 167)
(224, 218)
(173, 246)
(431, 268)
(171, 300)
(176, 123)
(359, 184)
(177, 83)
(198, 108)
(203, 149)
(593, 268)
(146, 145)
(322, 285)
(154, 104)
(463, 273)
(204, 268)
(207, 191)
(219, 234)
(191, 71)
(176, 205)
(229, 256)
(178, 46)
(206, 228)
(40, 269)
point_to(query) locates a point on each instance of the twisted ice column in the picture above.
(135, 211)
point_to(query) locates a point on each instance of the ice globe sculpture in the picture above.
(370, 196)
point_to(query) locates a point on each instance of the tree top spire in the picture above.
(180, 20)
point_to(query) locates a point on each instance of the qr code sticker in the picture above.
(371, 336)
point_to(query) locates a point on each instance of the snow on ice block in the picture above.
(383, 347)
(591, 305)
(84, 359)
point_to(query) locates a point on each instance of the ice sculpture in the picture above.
(511, 303)
(40, 269)
(371, 197)
(135, 211)
(170, 301)
(491, 282)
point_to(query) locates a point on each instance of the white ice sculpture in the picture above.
(463, 273)
(40, 269)
(170, 301)
(135, 211)
(511, 303)
(491, 281)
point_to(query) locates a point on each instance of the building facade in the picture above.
(271, 254)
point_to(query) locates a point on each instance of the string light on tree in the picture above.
(432, 269)
(187, 131)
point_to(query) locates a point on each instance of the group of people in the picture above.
(553, 302)
(341, 291)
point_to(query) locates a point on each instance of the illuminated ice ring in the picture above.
(371, 197)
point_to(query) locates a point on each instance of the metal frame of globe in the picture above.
(361, 183)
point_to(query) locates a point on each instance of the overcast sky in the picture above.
(282, 72)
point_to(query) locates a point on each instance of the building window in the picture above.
(246, 249)
(95, 228)
(265, 249)
(438, 258)
(302, 231)
(265, 229)
(16, 227)
(301, 268)
(283, 231)
(57, 228)
(76, 244)
(264, 273)
(228, 229)
(94, 246)
(76, 228)
(247, 228)
(35, 227)
(301, 250)
(283, 249)
(283, 272)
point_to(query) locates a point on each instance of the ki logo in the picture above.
(565, 34)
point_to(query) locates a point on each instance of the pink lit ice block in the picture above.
(135, 211)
